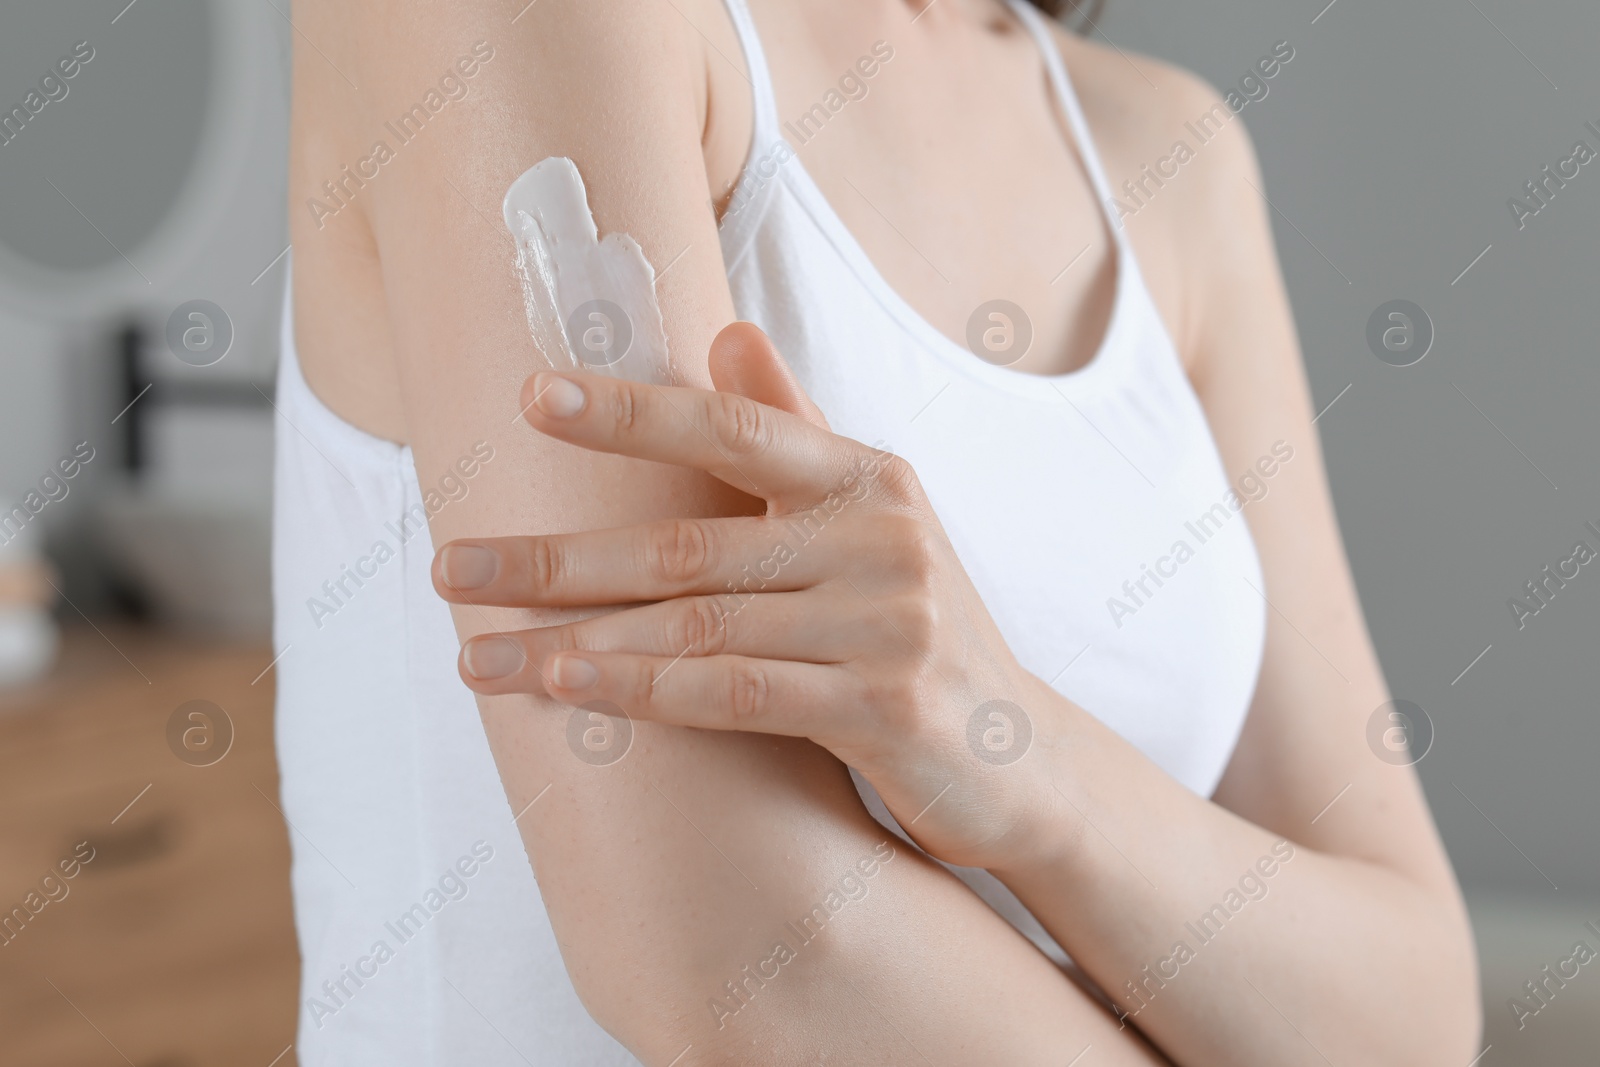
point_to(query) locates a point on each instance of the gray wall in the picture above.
(1391, 143)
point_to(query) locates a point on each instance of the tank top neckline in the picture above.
(739, 231)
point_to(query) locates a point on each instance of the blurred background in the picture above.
(135, 490)
(142, 239)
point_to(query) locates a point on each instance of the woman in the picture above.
(1068, 600)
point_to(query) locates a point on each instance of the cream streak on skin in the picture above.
(566, 269)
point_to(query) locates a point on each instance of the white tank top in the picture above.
(1055, 490)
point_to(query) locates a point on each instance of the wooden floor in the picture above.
(174, 945)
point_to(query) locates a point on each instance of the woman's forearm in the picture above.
(832, 941)
(1228, 944)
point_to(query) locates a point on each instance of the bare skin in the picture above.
(411, 328)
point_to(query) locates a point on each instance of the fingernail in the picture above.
(557, 397)
(493, 657)
(467, 566)
(570, 672)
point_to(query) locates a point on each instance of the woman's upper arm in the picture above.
(618, 88)
(610, 85)
(671, 872)
(1306, 738)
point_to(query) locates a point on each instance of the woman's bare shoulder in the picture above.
(1139, 107)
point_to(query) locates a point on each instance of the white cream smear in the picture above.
(591, 303)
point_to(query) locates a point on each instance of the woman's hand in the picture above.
(841, 614)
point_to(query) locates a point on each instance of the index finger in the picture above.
(755, 448)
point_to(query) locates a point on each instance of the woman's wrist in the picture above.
(1041, 790)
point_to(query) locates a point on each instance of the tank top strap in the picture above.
(1038, 27)
(766, 123)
